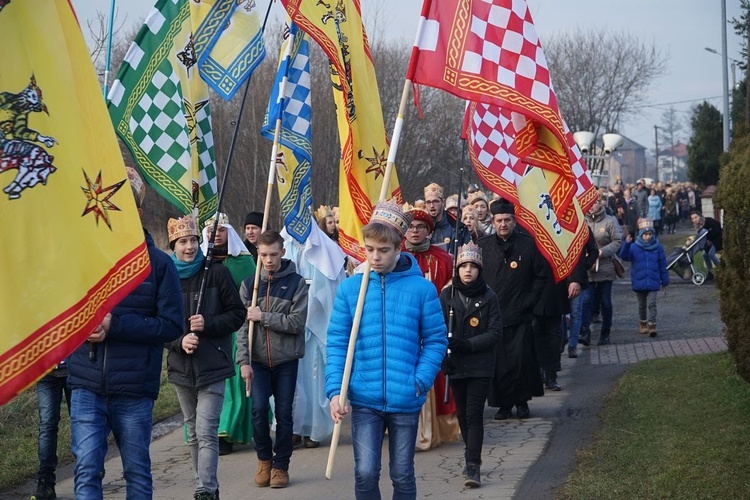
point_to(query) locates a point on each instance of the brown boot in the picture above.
(263, 474)
(652, 329)
(644, 327)
(279, 478)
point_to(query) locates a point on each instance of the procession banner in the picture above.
(75, 246)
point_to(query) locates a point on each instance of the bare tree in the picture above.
(601, 77)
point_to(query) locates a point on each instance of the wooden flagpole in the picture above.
(267, 205)
(395, 138)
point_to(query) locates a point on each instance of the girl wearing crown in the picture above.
(475, 327)
(648, 272)
(200, 361)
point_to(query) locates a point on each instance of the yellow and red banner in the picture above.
(74, 243)
(337, 28)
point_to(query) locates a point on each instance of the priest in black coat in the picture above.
(517, 272)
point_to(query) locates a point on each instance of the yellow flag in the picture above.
(74, 246)
(337, 28)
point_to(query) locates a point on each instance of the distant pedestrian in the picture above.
(648, 272)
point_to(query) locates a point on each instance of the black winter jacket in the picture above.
(223, 313)
(516, 271)
(478, 320)
(128, 362)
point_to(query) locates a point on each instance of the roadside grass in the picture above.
(673, 428)
(18, 432)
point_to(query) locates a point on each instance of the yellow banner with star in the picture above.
(74, 245)
(337, 28)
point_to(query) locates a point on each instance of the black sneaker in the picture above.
(551, 385)
(204, 495)
(309, 443)
(472, 479)
(44, 491)
(225, 447)
(504, 413)
(572, 352)
(522, 410)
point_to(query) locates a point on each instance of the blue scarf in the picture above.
(646, 245)
(188, 269)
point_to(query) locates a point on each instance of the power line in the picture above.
(678, 102)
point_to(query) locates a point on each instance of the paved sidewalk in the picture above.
(510, 448)
(651, 349)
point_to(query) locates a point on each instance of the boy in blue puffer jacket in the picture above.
(648, 272)
(399, 348)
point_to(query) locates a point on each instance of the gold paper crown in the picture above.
(476, 195)
(184, 226)
(433, 190)
(391, 214)
(451, 201)
(419, 213)
(645, 223)
(223, 220)
(136, 182)
(469, 252)
(335, 212)
(322, 212)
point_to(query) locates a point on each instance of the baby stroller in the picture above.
(682, 259)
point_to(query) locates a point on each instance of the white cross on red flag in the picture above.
(488, 52)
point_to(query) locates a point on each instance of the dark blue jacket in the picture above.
(648, 269)
(128, 362)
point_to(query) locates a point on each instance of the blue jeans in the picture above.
(280, 382)
(603, 291)
(368, 432)
(49, 396)
(201, 409)
(576, 312)
(92, 417)
(710, 258)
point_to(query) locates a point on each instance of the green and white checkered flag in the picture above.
(160, 109)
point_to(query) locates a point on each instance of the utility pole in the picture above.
(656, 144)
(725, 72)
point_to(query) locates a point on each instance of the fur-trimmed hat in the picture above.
(254, 218)
(420, 214)
(502, 206)
(137, 184)
(475, 196)
(183, 226)
(389, 213)
(469, 252)
(433, 189)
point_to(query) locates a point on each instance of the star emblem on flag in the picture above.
(190, 111)
(377, 162)
(97, 198)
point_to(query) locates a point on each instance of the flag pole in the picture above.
(108, 61)
(269, 193)
(222, 188)
(395, 138)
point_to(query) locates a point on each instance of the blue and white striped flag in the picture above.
(294, 155)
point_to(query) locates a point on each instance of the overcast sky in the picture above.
(679, 28)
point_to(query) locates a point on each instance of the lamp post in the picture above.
(586, 142)
(734, 63)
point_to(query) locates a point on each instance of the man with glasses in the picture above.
(444, 224)
(437, 420)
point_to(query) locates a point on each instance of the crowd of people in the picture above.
(461, 311)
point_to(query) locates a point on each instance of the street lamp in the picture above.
(734, 62)
(586, 142)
